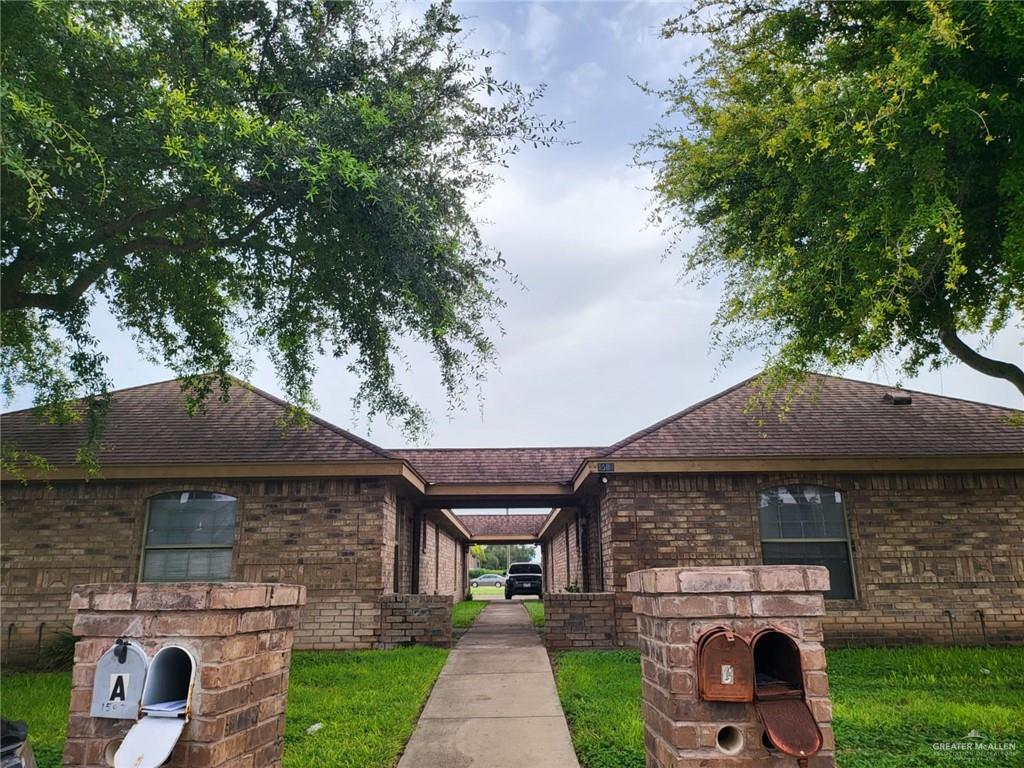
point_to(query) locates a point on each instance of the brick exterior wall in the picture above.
(557, 579)
(579, 620)
(563, 566)
(328, 534)
(415, 620)
(398, 543)
(440, 563)
(923, 544)
(676, 607)
(592, 579)
(240, 636)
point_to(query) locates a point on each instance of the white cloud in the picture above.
(585, 79)
(542, 32)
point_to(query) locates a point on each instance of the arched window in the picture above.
(189, 535)
(806, 525)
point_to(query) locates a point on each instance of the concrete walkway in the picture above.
(495, 704)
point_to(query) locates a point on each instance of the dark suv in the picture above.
(523, 579)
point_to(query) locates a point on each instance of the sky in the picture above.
(601, 338)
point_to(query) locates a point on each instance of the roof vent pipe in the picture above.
(898, 397)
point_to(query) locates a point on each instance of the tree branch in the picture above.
(64, 299)
(987, 365)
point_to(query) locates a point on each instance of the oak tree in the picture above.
(295, 176)
(855, 172)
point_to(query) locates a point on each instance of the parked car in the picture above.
(523, 579)
(488, 580)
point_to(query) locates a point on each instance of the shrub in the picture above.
(60, 653)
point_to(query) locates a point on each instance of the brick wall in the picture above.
(558, 575)
(579, 620)
(415, 620)
(575, 550)
(324, 533)
(440, 561)
(398, 543)
(924, 544)
(564, 566)
(592, 580)
(240, 636)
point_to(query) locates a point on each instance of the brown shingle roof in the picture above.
(839, 417)
(833, 417)
(503, 525)
(496, 465)
(149, 425)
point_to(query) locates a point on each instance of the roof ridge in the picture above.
(669, 419)
(916, 392)
(504, 448)
(317, 419)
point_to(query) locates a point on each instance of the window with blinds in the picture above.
(806, 525)
(189, 536)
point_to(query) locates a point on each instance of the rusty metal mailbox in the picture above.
(725, 667)
(779, 695)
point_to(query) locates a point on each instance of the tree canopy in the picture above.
(295, 177)
(498, 556)
(856, 174)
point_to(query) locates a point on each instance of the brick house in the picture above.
(915, 503)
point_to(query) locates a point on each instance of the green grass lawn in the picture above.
(41, 699)
(487, 591)
(600, 693)
(368, 702)
(536, 610)
(890, 705)
(465, 613)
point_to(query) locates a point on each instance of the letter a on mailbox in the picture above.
(117, 687)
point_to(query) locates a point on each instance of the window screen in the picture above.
(806, 525)
(189, 537)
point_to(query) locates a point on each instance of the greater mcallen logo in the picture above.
(975, 742)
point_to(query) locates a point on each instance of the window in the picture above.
(189, 537)
(806, 525)
(521, 568)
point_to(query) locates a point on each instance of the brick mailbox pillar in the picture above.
(240, 637)
(733, 666)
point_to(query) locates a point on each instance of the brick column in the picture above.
(579, 620)
(415, 620)
(241, 637)
(675, 607)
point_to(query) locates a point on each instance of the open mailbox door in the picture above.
(779, 696)
(165, 710)
(149, 743)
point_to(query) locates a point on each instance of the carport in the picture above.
(565, 524)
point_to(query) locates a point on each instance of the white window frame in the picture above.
(146, 547)
(814, 540)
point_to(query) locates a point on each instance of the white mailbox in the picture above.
(117, 686)
(165, 709)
